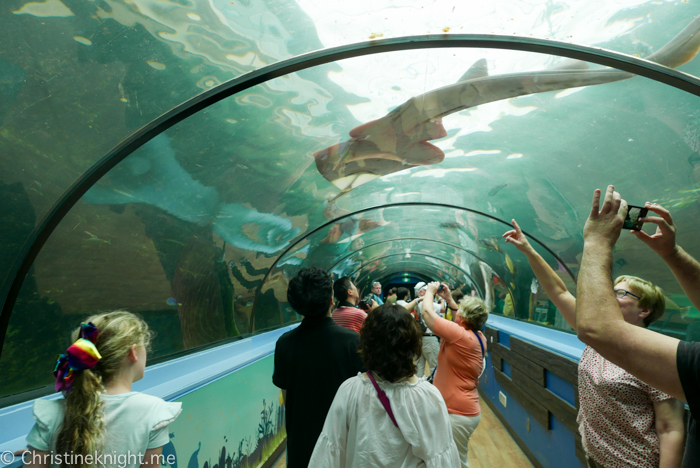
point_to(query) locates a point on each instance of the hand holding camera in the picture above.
(663, 241)
(367, 303)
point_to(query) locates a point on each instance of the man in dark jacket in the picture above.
(311, 362)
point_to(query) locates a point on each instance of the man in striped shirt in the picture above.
(347, 314)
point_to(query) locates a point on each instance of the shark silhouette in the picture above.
(399, 140)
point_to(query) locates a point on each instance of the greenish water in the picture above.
(200, 229)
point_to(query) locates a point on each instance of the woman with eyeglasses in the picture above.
(623, 422)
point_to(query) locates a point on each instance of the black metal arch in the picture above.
(510, 293)
(441, 260)
(449, 279)
(53, 217)
(363, 274)
(397, 239)
(364, 210)
(420, 277)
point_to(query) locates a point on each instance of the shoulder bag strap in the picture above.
(383, 398)
(432, 376)
(483, 354)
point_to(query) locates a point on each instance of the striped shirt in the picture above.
(349, 317)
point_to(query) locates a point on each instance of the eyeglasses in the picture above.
(620, 293)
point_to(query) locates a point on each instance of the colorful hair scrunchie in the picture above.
(80, 355)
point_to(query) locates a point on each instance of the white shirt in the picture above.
(135, 422)
(358, 432)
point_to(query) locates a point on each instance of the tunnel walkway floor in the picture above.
(490, 446)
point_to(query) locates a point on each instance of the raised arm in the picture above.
(668, 417)
(684, 267)
(643, 353)
(548, 278)
(446, 294)
(412, 305)
(429, 314)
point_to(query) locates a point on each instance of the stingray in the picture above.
(400, 139)
(154, 176)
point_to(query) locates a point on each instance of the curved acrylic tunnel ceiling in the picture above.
(432, 267)
(78, 77)
(462, 237)
(191, 223)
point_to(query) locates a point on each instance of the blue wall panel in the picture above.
(504, 339)
(560, 387)
(506, 369)
(554, 448)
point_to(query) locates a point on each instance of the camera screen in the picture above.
(632, 219)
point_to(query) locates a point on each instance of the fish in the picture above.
(496, 189)
(173, 241)
(400, 139)
(487, 244)
(94, 238)
(511, 266)
(494, 243)
(171, 301)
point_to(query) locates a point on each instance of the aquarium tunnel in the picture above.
(184, 159)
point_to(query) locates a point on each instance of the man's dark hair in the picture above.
(340, 288)
(402, 294)
(310, 292)
(390, 340)
(457, 296)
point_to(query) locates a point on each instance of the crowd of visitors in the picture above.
(353, 381)
(386, 413)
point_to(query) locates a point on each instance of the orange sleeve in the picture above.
(448, 331)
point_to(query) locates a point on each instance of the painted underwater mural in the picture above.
(234, 422)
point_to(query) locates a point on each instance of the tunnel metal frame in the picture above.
(397, 239)
(35, 242)
(391, 205)
(427, 240)
(420, 254)
(359, 269)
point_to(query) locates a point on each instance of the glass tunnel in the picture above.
(184, 159)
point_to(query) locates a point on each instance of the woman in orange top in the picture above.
(460, 361)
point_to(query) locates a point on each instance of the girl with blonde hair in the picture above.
(100, 421)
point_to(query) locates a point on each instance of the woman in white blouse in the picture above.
(407, 427)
